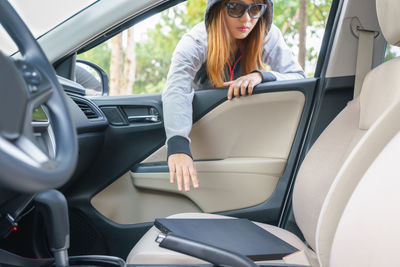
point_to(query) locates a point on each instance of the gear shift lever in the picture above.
(53, 207)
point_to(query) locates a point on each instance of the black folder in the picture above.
(236, 235)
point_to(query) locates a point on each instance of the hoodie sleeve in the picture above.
(177, 97)
(278, 55)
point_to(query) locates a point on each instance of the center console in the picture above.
(54, 209)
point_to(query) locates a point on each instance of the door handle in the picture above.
(144, 118)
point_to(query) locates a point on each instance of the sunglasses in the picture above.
(236, 10)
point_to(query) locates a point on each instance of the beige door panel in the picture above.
(262, 125)
(243, 145)
(123, 203)
(224, 184)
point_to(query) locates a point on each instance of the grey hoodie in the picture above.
(187, 74)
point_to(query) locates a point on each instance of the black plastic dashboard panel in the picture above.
(71, 86)
(75, 100)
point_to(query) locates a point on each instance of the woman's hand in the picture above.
(238, 87)
(183, 166)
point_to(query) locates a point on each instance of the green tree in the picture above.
(194, 13)
(153, 57)
(286, 17)
(389, 52)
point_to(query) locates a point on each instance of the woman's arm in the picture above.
(177, 99)
(178, 93)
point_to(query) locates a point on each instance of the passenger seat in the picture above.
(368, 232)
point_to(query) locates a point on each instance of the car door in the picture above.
(246, 151)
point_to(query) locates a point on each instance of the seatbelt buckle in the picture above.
(160, 238)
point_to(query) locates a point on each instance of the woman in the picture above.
(229, 48)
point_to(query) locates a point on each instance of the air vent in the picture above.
(87, 109)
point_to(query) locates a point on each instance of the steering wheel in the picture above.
(25, 85)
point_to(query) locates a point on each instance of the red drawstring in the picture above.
(231, 70)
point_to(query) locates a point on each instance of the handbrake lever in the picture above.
(214, 255)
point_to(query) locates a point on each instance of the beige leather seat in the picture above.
(333, 166)
(368, 232)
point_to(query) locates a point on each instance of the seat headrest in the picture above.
(388, 16)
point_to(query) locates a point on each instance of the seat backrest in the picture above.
(337, 160)
(354, 167)
(368, 232)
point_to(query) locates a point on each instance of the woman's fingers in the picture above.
(228, 83)
(250, 88)
(183, 167)
(243, 85)
(171, 172)
(193, 175)
(179, 178)
(230, 92)
(186, 179)
(236, 88)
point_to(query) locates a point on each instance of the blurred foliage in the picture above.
(286, 19)
(391, 52)
(285, 12)
(153, 54)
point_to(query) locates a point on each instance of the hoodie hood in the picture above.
(210, 4)
(267, 15)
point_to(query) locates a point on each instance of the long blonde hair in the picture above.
(219, 49)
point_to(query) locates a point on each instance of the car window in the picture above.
(391, 52)
(138, 59)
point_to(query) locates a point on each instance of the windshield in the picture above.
(41, 16)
